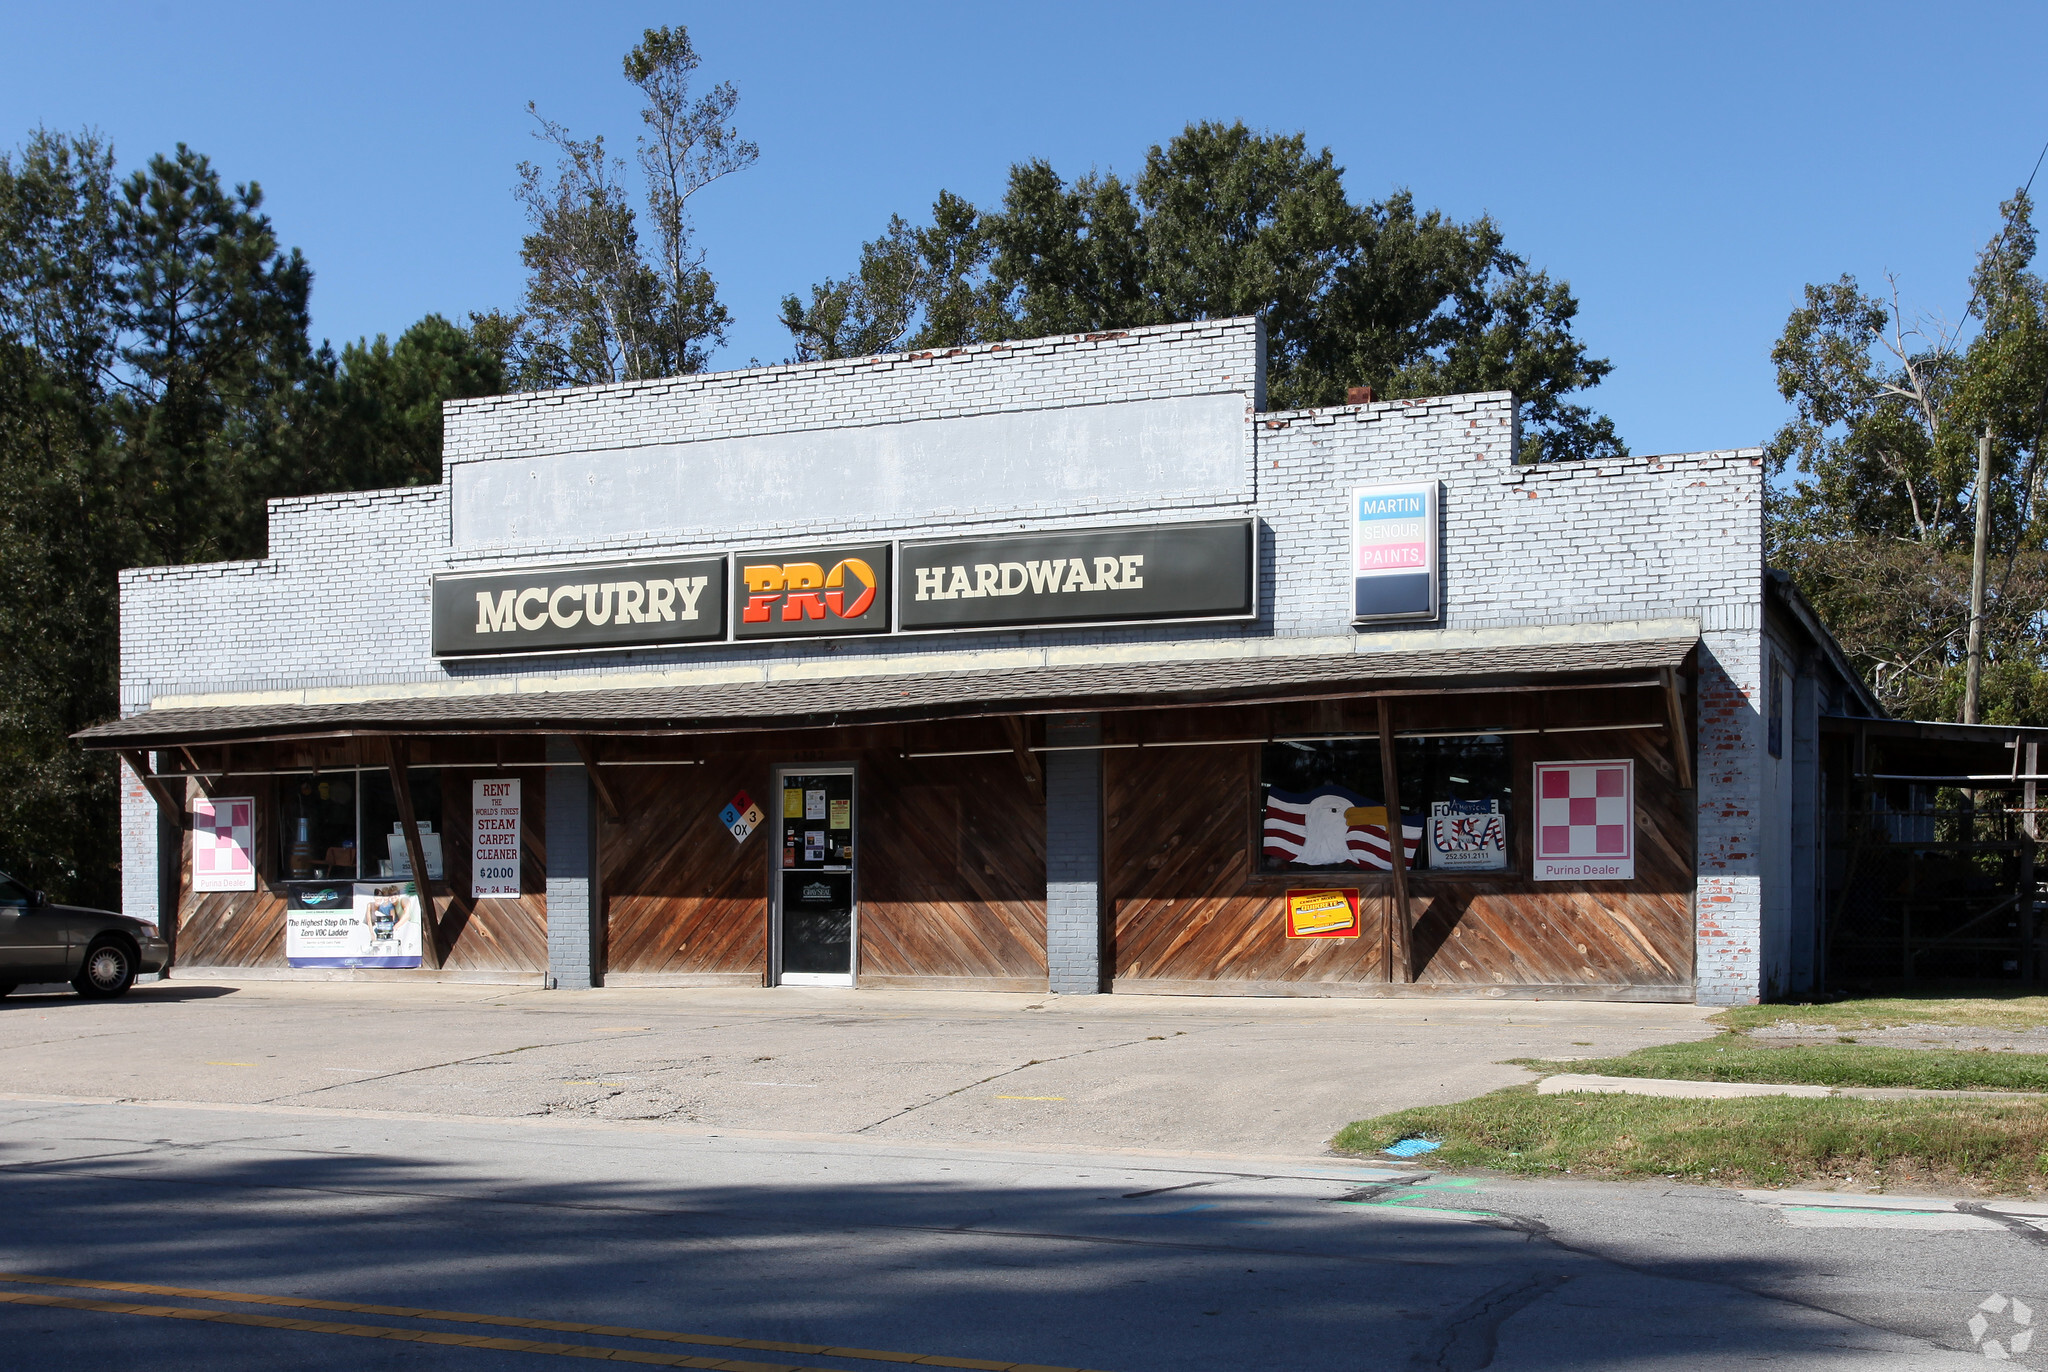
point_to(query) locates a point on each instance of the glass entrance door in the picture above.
(814, 894)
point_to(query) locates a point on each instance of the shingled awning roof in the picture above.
(881, 699)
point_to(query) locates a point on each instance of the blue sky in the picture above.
(1686, 168)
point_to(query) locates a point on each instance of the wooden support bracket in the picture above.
(1681, 739)
(1034, 771)
(605, 799)
(1397, 857)
(138, 762)
(416, 852)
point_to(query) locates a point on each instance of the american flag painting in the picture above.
(1334, 827)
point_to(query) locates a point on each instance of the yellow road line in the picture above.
(380, 1331)
(469, 1340)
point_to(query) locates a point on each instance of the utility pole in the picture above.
(1974, 671)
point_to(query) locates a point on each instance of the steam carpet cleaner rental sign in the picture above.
(494, 816)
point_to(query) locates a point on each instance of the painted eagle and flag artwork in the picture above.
(1334, 827)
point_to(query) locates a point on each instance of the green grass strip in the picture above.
(1755, 1141)
(1730, 1057)
(1991, 1011)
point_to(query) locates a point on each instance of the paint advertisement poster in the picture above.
(1393, 552)
(1322, 914)
(352, 924)
(741, 816)
(1467, 836)
(494, 827)
(1585, 821)
(223, 841)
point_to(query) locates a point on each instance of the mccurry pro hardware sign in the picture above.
(1173, 571)
(1020, 581)
(598, 605)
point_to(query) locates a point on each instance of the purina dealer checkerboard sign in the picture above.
(1585, 821)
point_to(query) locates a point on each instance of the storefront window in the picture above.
(384, 850)
(1325, 808)
(344, 825)
(317, 829)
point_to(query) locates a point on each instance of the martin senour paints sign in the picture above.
(1394, 552)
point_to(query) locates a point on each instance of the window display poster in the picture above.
(223, 838)
(494, 825)
(1333, 827)
(380, 928)
(1322, 914)
(1585, 821)
(814, 804)
(1467, 836)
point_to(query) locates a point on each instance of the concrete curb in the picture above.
(1569, 1082)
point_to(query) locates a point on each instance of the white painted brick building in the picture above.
(332, 634)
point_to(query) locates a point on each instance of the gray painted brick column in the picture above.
(572, 854)
(1073, 857)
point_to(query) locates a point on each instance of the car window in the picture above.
(13, 892)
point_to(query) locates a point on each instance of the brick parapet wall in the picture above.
(343, 600)
(1208, 357)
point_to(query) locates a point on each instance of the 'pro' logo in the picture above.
(807, 591)
(812, 592)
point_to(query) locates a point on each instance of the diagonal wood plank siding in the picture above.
(681, 897)
(1186, 900)
(1472, 931)
(498, 934)
(246, 928)
(951, 870)
(1190, 906)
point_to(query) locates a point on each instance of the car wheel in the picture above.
(108, 972)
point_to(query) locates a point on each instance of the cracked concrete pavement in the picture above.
(1119, 1071)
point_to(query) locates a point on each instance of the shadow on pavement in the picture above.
(1068, 1272)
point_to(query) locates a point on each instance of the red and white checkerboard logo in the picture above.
(1585, 820)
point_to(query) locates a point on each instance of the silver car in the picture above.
(97, 951)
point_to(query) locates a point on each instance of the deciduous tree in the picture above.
(1876, 472)
(1225, 221)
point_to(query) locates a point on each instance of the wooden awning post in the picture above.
(1027, 761)
(1396, 854)
(598, 784)
(1681, 738)
(138, 762)
(401, 790)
